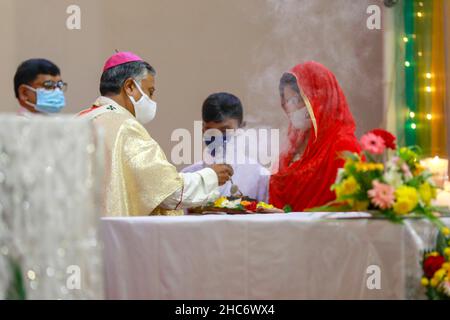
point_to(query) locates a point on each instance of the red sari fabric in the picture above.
(306, 182)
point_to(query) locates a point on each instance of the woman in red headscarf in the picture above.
(321, 128)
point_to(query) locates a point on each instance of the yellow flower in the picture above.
(407, 200)
(438, 275)
(369, 166)
(349, 186)
(447, 251)
(424, 282)
(446, 266)
(361, 166)
(427, 193)
(407, 192)
(402, 207)
(433, 254)
(434, 282)
(218, 203)
(445, 231)
(338, 191)
(264, 205)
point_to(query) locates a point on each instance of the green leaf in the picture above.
(432, 293)
(415, 182)
(445, 211)
(369, 156)
(416, 149)
(441, 243)
(16, 290)
(349, 155)
(287, 208)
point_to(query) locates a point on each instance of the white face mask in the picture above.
(300, 119)
(145, 108)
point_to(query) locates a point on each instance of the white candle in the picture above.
(439, 168)
(442, 199)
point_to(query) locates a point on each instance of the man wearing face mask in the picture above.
(139, 179)
(39, 88)
(224, 112)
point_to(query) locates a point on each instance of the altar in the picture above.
(283, 256)
(55, 246)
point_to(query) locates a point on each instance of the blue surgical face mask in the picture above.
(48, 101)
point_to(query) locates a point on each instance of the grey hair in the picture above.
(113, 79)
(288, 80)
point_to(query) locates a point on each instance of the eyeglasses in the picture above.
(51, 85)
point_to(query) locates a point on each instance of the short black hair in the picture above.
(220, 106)
(29, 70)
(113, 79)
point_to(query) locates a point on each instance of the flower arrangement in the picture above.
(390, 182)
(436, 268)
(394, 187)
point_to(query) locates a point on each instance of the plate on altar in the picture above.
(236, 205)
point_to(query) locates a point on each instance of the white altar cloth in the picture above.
(284, 256)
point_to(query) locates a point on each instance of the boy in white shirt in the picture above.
(224, 111)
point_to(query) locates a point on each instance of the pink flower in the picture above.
(406, 171)
(373, 143)
(382, 195)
